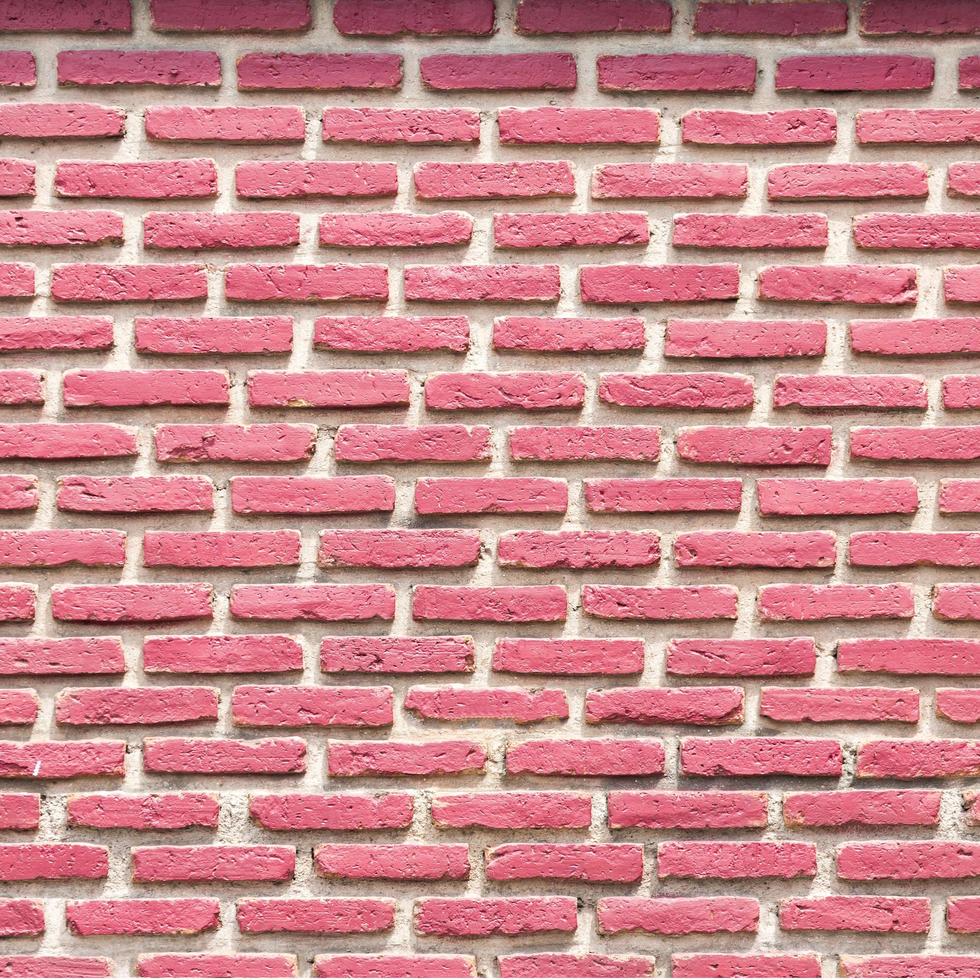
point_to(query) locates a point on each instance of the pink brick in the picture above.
(578, 549)
(756, 445)
(855, 73)
(686, 810)
(795, 18)
(144, 180)
(376, 18)
(93, 283)
(737, 965)
(677, 73)
(415, 127)
(806, 498)
(289, 72)
(100, 17)
(561, 443)
(316, 179)
(884, 17)
(201, 229)
(405, 334)
(756, 231)
(319, 916)
(61, 120)
(670, 181)
(394, 230)
(668, 495)
(627, 284)
(855, 913)
(215, 654)
(553, 125)
(929, 126)
(17, 69)
(786, 657)
(863, 284)
(846, 181)
(17, 178)
(163, 68)
(305, 283)
(203, 336)
(665, 706)
(781, 127)
(320, 603)
(226, 15)
(225, 124)
(488, 181)
(499, 72)
(570, 231)
(660, 602)
(677, 916)
(583, 17)
(795, 603)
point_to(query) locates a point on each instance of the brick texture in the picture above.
(489, 488)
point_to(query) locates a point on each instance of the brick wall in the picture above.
(489, 490)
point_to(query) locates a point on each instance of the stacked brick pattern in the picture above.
(489, 489)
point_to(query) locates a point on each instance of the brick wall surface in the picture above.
(489, 489)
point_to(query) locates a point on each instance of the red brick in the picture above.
(743, 965)
(524, 390)
(46, 16)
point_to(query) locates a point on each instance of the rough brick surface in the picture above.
(364, 363)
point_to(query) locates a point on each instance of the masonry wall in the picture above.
(489, 491)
